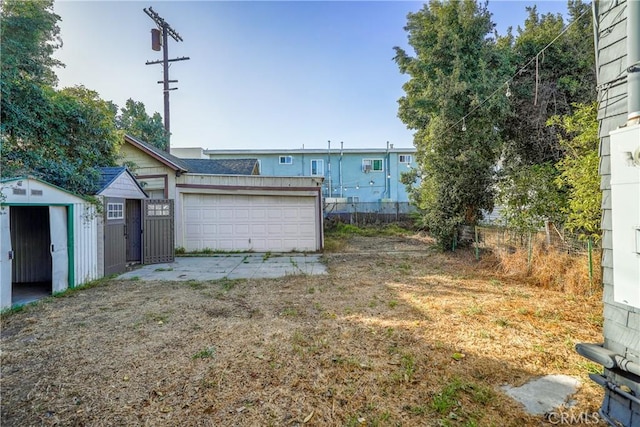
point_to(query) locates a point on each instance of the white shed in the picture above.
(48, 240)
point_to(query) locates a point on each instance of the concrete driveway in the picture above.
(230, 266)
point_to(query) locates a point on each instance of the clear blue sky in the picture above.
(261, 74)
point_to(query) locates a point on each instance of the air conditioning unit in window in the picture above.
(366, 168)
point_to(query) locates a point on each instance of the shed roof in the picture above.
(222, 166)
(109, 174)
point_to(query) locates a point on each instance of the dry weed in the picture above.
(396, 334)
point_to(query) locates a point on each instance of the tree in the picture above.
(551, 73)
(579, 169)
(135, 121)
(530, 197)
(29, 34)
(59, 136)
(555, 68)
(455, 68)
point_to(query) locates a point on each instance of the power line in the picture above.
(522, 69)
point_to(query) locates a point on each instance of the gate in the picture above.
(158, 231)
(115, 251)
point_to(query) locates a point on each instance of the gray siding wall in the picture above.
(621, 322)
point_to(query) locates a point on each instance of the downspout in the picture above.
(329, 167)
(340, 169)
(633, 60)
(596, 39)
(387, 178)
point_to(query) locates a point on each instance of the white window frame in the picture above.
(319, 163)
(405, 158)
(286, 160)
(115, 210)
(368, 165)
(158, 209)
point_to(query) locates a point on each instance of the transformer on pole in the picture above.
(159, 39)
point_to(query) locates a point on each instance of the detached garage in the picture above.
(226, 205)
(47, 240)
(249, 213)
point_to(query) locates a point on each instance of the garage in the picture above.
(249, 213)
(250, 223)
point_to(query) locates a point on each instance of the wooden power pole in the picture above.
(160, 38)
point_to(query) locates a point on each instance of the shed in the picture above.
(133, 228)
(47, 240)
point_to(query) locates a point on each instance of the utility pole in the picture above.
(160, 37)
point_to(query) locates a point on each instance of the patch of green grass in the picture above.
(226, 284)
(206, 353)
(408, 365)
(194, 284)
(180, 250)
(134, 278)
(266, 256)
(404, 268)
(289, 312)
(157, 317)
(447, 401)
(502, 322)
(474, 309)
(164, 269)
(346, 230)
(393, 303)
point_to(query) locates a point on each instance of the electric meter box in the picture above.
(625, 211)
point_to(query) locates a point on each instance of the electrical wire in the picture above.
(522, 69)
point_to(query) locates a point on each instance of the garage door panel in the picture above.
(259, 223)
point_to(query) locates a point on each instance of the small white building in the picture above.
(48, 240)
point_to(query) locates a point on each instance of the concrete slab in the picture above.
(231, 266)
(544, 394)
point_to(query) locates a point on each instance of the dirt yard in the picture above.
(396, 334)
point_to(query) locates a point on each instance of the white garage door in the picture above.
(258, 223)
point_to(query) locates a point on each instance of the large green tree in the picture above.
(134, 120)
(553, 70)
(59, 136)
(456, 66)
(578, 170)
(551, 74)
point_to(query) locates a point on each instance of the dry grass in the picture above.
(551, 269)
(396, 334)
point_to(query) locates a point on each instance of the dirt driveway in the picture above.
(395, 334)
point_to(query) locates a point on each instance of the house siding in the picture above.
(620, 321)
(343, 172)
(146, 166)
(124, 186)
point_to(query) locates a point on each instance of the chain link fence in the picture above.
(363, 213)
(509, 240)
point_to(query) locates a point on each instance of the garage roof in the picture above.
(222, 166)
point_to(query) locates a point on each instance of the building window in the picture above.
(317, 167)
(405, 158)
(115, 210)
(372, 165)
(158, 209)
(286, 160)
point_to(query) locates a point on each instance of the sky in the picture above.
(261, 74)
